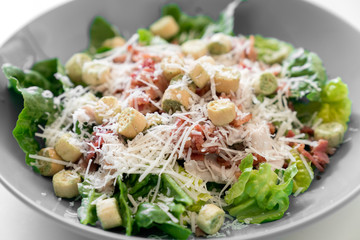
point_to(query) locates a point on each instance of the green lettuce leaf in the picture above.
(150, 215)
(303, 178)
(145, 36)
(272, 50)
(141, 189)
(336, 105)
(177, 209)
(307, 65)
(48, 69)
(37, 88)
(257, 196)
(40, 75)
(87, 210)
(125, 211)
(171, 189)
(246, 168)
(225, 23)
(100, 30)
(189, 27)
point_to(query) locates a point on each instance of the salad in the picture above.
(181, 126)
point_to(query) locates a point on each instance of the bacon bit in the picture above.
(307, 130)
(251, 51)
(319, 153)
(301, 150)
(290, 134)
(223, 162)
(153, 58)
(197, 157)
(197, 137)
(272, 128)
(142, 104)
(285, 165)
(84, 162)
(197, 142)
(226, 96)
(291, 106)
(238, 121)
(243, 65)
(201, 91)
(258, 159)
(237, 174)
(120, 59)
(97, 143)
(199, 232)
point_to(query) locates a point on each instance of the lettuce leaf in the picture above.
(87, 210)
(141, 189)
(48, 69)
(150, 215)
(189, 27)
(303, 178)
(125, 211)
(308, 66)
(100, 30)
(272, 50)
(225, 23)
(336, 105)
(257, 196)
(172, 189)
(145, 36)
(40, 75)
(37, 88)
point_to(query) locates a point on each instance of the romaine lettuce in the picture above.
(100, 30)
(272, 50)
(311, 74)
(336, 105)
(304, 176)
(257, 196)
(37, 91)
(87, 210)
(150, 215)
(189, 27)
(125, 211)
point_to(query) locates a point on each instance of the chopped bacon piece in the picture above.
(291, 105)
(272, 128)
(120, 59)
(197, 157)
(84, 162)
(197, 141)
(319, 152)
(96, 143)
(301, 150)
(307, 130)
(199, 232)
(223, 162)
(240, 120)
(251, 51)
(258, 159)
(197, 137)
(290, 134)
(201, 91)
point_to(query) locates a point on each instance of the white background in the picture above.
(18, 221)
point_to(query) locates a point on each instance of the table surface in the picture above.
(18, 221)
